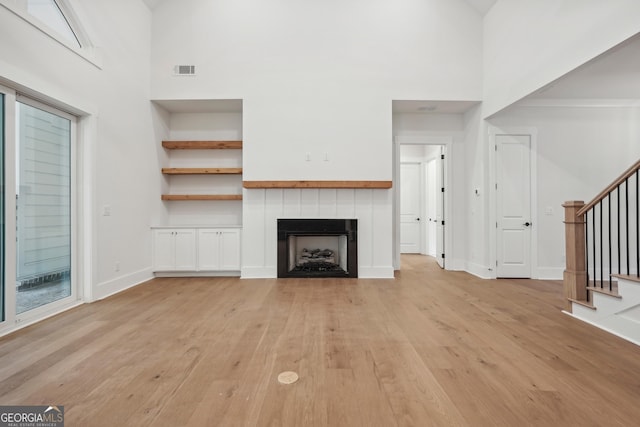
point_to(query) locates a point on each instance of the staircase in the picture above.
(617, 312)
(602, 275)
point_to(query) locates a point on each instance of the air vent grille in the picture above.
(184, 70)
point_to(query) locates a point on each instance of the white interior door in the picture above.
(432, 210)
(410, 211)
(513, 197)
(440, 224)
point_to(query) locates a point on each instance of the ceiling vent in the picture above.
(184, 70)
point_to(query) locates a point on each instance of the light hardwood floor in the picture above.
(428, 348)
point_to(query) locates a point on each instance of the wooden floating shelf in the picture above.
(201, 145)
(202, 197)
(318, 184)
(201, 171)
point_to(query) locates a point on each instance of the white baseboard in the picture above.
(197, 274)
(615, 331)
(550, 273)
(455, 265)
(6, 329)
(543, 273)
(259, 273)
(119, 284)
(375, 272)
(481, 271)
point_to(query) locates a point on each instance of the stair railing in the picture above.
(603, 237)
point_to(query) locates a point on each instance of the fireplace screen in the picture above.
(317, 248)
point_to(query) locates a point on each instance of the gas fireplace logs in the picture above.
(316, 256)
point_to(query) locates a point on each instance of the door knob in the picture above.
(526, 224)
(417, 219)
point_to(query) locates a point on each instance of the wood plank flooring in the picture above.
(430, 348)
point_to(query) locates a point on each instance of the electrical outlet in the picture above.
(117, 266)
(106, 210)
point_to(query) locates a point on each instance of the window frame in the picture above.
(86, 49)
(2, 208)
(72, 299)
(12, 320)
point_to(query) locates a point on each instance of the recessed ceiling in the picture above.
(201, 105)
(432, 107)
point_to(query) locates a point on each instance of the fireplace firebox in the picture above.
(317, 248)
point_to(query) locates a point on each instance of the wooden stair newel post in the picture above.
(575, 273)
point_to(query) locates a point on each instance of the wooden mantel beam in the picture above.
(318, 184)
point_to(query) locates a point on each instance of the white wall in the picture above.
(580, 151)
(317, 78)
(116, 127)
(476, 193)
(412, 153)
(419, 153)
(528, 44)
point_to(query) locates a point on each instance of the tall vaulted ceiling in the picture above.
(613, 75)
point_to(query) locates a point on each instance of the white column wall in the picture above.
(476, 194)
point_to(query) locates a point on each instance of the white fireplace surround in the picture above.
(263, 207)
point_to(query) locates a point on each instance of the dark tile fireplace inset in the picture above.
(317, 248)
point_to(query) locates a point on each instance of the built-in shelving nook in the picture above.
(181, 171)
(200, 173)
(200, 156)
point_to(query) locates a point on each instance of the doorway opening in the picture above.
(421, 199)
(38, 210)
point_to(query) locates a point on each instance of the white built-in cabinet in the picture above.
(174, 249)
(197, 250)
(219, 249)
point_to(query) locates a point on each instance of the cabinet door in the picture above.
(163, 250)
(230, 249)
(208, 249)
(185, 249)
